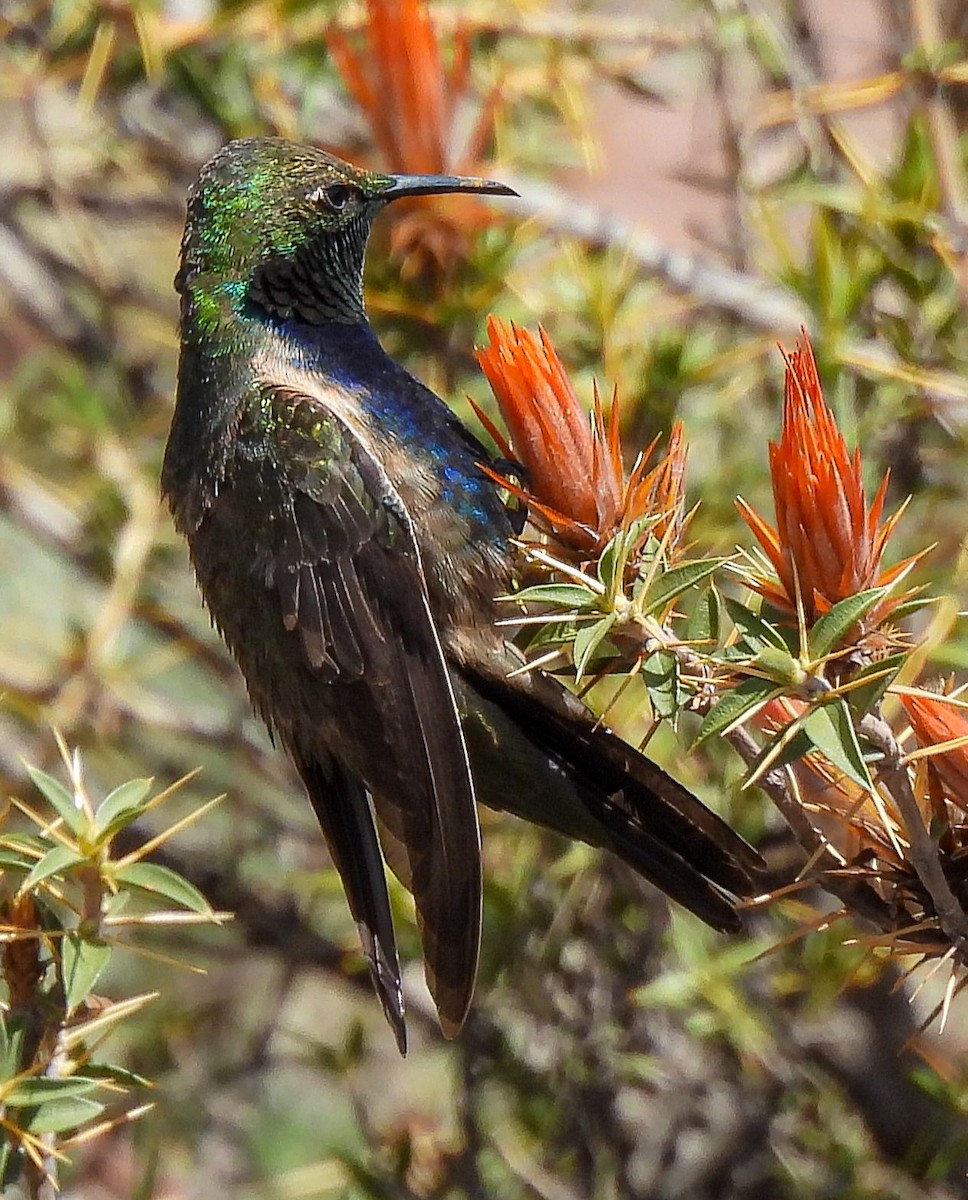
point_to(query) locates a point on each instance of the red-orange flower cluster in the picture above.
(828, 544)
(575, 488)
(410, 100)
(936, 720)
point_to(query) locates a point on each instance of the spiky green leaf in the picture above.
(829, 631)
(780, 666)
(660, 673)
(588, 641)
(915, 605)
(26, 842)
(11, 1045)
(756, 631)
(613, 558)
(553, 633)
(752, 693)
(705, 620)
(111, 1073)
(38, 1088)
(54, 862)
(14, 860)
(82, 961)
(63, 1113)
(104, 1019)
(162, 881)
(561, 595)
(121, 807)
(669, 585)
(785, 746)
(831, 731)
(60, 799)
(880, 675)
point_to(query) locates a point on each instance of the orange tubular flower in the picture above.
(576, 488)
(410, 101)
(828, 544)
(663, 490)
(936, 720)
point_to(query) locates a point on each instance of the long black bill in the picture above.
(435, 185)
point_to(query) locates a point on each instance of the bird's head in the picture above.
(283, 228)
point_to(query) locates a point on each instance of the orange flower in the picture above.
(827, 540)
(832, 802)
(663, 490)
(410, 100)
(936, 720)
(576, 488)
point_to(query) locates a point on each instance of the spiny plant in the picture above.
(69, 900)
(793, 651)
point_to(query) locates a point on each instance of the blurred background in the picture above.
(698, 179)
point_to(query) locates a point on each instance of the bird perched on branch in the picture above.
(352, 551)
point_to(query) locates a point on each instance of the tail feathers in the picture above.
(628, 804)
(692, 872)
(342, 808)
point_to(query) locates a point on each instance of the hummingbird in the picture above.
(352, 553)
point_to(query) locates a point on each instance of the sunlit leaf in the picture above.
(553, 633)
(705, 620)
(33, 845)
(916, 604)
(112, 1073)
(121, 806)
(588, 641)
(561, 595)
(38, 1089)
(780, 666)
(54, 862)
(11, 1046)
(786, 746)
(612, 558)
(829, 728)
(829, 631)
(751, 694)
(660, 673)
(756, 632)
(60, 799)
(861, 699)
(60, 1114)
(12, 860)
(105, 1019)
(671, 584)
(82, 961)
(162, 881)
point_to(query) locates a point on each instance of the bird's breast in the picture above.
(460, 523)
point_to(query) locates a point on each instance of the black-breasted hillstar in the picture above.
(351, 552)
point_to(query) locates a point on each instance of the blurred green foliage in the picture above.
(613, 1051)
(68, 901)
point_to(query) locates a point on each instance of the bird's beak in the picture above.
(434, 185)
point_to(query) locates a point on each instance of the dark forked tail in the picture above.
(539, 753)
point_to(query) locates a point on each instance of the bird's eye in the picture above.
(336, 196)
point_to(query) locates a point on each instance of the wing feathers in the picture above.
(451, 940)
(351, 588)
(343, 811)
